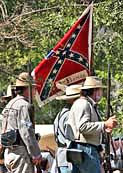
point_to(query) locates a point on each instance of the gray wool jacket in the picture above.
(17, 115)
(59, 130)
(84, 123)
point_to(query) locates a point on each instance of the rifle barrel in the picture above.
(107, 146)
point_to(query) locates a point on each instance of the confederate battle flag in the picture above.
(68, 62)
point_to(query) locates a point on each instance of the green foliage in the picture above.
(108, 48)
(27, 35)
(47, 113)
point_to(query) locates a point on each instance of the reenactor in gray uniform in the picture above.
(4, 100)
(72, 93)
(85, 128)
(22, 151)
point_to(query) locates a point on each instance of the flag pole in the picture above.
(90, 53)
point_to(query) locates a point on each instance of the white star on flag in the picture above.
(73, 36)
(54, 71)
(71, 55)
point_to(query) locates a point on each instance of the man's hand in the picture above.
(37, 160)
(108, 130)
(110, 124)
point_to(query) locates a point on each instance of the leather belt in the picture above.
(61, 145)
(83, 144)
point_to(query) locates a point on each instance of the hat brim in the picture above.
(6, 96)
(65, 97)
(26, 85)
(90, 87)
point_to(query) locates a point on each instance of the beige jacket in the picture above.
(83, 124)
(18, 111)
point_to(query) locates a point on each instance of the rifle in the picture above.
(32, 106)
(107, 135)
(30, 94)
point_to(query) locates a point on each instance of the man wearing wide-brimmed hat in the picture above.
(22, 151)
(4, 100)
(9, 93)
(71, 94)
(84, 125)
